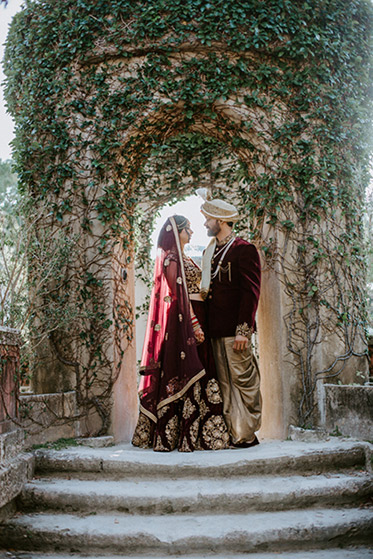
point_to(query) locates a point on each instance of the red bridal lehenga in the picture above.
(180, 400)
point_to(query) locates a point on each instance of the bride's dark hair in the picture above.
(166, 239)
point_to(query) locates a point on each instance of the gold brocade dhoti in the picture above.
(238, 376)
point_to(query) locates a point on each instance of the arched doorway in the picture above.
(278, 410)
(217, 170)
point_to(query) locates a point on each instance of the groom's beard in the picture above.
(213, 230)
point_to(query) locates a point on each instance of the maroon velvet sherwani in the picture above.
(232, 304)
(234, 292)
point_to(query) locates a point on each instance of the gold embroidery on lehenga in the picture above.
(194, 431)
(141, 436)
(159, 446)
(213, 392)
(197, 392)
(203, 409)
(172, 431)
(188, 408)
(162, 411)
(185, 446)
(215, 433)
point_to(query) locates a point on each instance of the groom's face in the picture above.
(212, 226)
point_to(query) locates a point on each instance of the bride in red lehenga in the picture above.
(180, 400)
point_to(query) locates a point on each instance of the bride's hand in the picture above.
(199, 335)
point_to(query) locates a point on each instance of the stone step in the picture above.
(345, 553)
(153, 535)
(270, 458)
(189, 495)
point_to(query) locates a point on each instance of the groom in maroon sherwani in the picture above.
(231, 286)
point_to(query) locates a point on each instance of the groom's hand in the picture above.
(240, 343)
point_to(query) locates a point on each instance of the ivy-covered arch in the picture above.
(97, 89)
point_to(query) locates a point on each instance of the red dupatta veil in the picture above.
(170, 362)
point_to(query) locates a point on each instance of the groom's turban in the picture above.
(219, 209)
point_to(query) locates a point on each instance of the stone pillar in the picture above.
(125, 405)
(277, 410)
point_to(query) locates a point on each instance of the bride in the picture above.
(180, 399)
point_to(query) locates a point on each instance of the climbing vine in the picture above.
(122, 102)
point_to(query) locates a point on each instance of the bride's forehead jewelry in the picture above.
(180, 226)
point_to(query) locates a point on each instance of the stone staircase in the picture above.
(281, 499)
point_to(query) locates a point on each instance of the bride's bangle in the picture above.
(196, 325)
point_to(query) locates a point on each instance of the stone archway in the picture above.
(107, 101)
(278, 410)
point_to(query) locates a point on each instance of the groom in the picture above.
(231, 285)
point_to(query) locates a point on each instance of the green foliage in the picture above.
(60, 444)
(119, 102)
(336, 432)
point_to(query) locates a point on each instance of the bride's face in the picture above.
(185, 235)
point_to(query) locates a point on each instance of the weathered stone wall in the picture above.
(16, 467)
(347, 410)
(49, 417)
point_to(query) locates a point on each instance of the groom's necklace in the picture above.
(224, 244)
(223, 251)
(225, 240)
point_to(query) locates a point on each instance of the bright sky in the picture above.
(190, 208)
